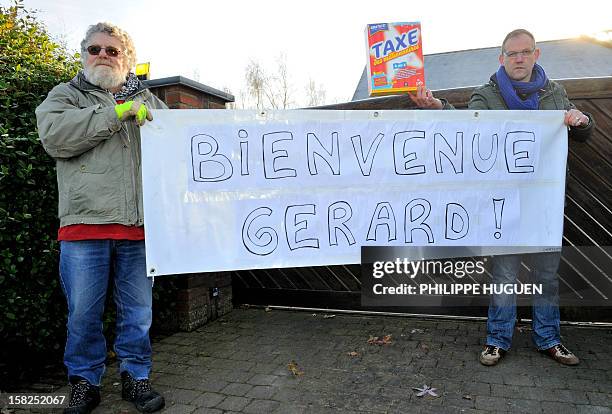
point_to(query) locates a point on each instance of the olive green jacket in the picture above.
(552, 96)
(97, 156)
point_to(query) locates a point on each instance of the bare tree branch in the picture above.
(269, 90)
(256, 80)
(315, 94)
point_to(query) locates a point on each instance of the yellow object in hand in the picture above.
(133, 109)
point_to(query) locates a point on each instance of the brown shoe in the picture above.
(491, 355)
(562, 355)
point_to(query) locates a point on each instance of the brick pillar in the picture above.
(200, 297)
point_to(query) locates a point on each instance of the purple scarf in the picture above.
(510, 89)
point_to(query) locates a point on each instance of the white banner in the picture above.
(230, 190)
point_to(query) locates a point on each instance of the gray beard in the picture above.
(104, 77)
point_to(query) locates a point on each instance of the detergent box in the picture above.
(395, 58)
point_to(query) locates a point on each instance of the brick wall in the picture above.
(200, 297)
(184, 97)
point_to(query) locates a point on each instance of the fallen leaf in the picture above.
(426, 390)
(294, 369)
(353, 354)
(375, 340)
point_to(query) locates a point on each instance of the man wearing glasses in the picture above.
(520, 83)
(90, 126)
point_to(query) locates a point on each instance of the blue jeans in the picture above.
(85, 268)
(502, 308)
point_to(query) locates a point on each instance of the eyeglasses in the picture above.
(110, 50)
(522, 53)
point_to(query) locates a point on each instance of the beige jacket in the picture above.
(97, 156)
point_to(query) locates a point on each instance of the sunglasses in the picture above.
(110, 51)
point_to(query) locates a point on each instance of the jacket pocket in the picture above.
(94, 194)
(94, 161)
(93, 188)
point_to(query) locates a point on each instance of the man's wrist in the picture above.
(584, 125)
(588, 123)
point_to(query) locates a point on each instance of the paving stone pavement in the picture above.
(252, 361)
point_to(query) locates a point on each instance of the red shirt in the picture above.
(100, 232)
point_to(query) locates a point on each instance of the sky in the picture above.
(324, 40)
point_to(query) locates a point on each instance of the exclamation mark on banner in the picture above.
(498, 209)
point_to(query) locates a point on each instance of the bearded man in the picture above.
(90, 126)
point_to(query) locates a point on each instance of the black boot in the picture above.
(84, 397)
(140, 393)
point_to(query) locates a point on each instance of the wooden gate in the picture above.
(588, 219)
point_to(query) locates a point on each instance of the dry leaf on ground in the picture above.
(382, 340)
(294, 369)
(352, 354)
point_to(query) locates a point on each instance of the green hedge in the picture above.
(32, 306)
(32, 309)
